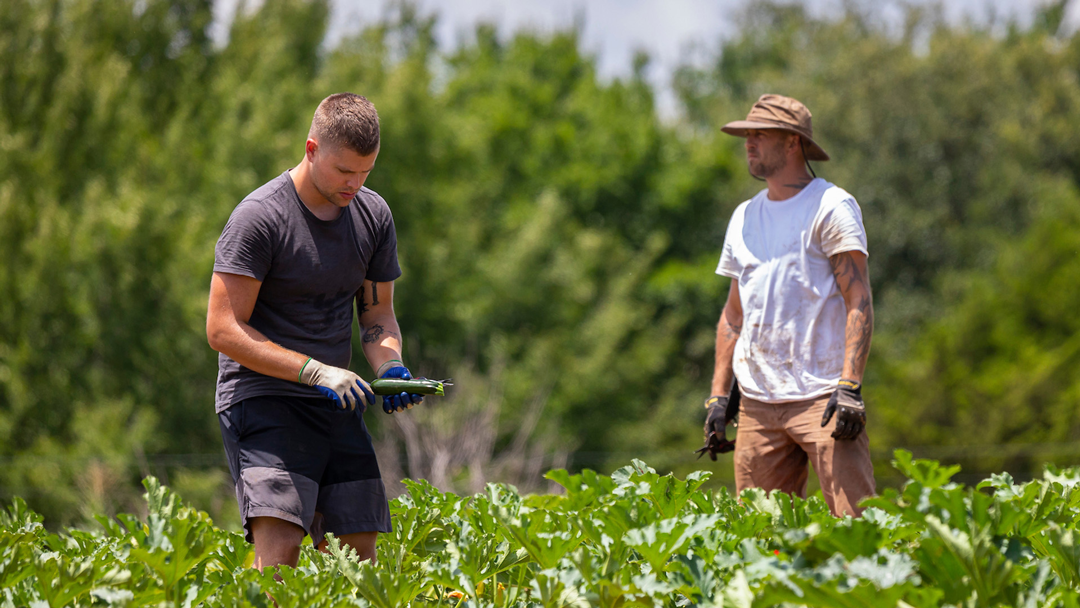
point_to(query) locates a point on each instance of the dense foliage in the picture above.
(558, 239)
(635, 538)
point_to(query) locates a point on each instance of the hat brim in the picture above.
(739, 128)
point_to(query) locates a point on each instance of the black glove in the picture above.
(849, 408)
(722, 410)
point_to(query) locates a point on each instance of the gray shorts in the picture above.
(302, 461)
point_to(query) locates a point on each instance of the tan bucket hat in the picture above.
(783, 113)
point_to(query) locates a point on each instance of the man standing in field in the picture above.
(294, 256)
(795, 330)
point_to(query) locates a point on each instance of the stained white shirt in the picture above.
(791, 346)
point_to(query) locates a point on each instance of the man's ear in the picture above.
(794, 143)
(309, 148)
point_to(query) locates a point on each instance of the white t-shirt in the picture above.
(792, 342)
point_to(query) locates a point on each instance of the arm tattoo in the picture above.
(360, 303)
(374, 293)
(727, 334)
(846, 272)
(860, 328)
(860, 316)
(731, 330)
(375, 332)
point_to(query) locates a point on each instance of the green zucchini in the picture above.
(419, 386)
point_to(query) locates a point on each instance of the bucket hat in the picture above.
(783, 113)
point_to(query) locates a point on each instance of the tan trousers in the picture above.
(775, 442)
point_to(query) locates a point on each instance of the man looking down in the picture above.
(293, 258)
(795, 330)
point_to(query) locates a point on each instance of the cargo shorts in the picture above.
(776, 441)
(300, 460)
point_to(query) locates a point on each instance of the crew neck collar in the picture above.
(813, 184)
(304, 208)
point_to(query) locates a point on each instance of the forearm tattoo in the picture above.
(860, 328)
(730, 330)
(374, 293)
(860, 316)
(374, 333)
(360, 303)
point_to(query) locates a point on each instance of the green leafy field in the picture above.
(635, 538)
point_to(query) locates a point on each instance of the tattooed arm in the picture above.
(853, 279)
(727, 333)
(381, 337)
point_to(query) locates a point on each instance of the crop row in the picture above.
(635, 538)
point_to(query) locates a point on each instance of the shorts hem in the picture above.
(353, 527)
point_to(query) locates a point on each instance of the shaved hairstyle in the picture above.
(345, 119)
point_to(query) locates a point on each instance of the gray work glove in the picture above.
(847, 404)
(337, 384)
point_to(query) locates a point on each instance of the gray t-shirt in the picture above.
(311, 270)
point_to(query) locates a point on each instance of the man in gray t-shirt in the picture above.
(294, 256)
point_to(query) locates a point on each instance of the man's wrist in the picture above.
(392, 363)
(849, 384)
(300, 376)
(715, 399)
(311, 372)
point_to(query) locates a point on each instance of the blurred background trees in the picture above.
(558, 238)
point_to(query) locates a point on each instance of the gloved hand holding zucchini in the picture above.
(416, 386)
(399, 390)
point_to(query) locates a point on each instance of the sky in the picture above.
(673, 32)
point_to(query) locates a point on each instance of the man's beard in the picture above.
(766, 166)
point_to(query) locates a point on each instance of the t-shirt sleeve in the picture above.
(245, 246)
(384, 267)
(729, 266)
(842, 228)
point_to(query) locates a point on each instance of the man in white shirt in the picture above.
(795, 330)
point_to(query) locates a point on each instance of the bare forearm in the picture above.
(727, 334)
(381, 339)
(250, 348)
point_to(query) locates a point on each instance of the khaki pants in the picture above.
(777, 440)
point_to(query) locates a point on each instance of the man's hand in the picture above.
(715, 420)
(722, 410)
(401, 401)
(337, 384)
(847, 404)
